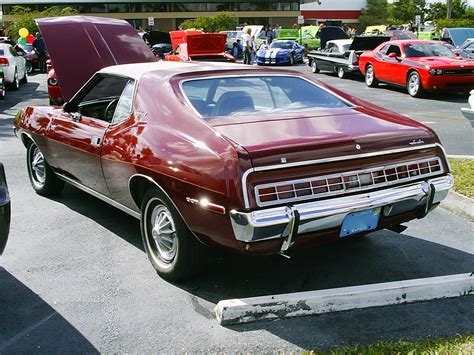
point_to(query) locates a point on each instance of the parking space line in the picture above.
(235, 311)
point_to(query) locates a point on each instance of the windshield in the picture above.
(284, 45)
(27, 47)
(234, 96)
(427, 50)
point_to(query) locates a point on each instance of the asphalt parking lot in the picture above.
(74, 275)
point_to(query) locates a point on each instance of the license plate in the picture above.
(361, 221)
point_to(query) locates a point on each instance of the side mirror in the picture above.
(393, 55)
(456, 54)
(69, 107)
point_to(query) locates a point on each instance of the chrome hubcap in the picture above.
(314, 66)
(369, 75)
(38, 166)
(413, 84)
(163, 233)
(340, 72)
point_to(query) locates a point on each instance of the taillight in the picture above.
(4, 61)
(53, 81)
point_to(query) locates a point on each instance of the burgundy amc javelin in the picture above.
(252, 160)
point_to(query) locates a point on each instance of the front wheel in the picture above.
(370, 78)
(29, 67)
(16, 81)
(42, 178)
(172, 249)
(292, 59)
(414, 86)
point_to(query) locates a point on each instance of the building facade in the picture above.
(345, 11)
(167, 15)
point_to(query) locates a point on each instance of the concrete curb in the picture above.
(467, 157)
(282, 306)
(459, 204)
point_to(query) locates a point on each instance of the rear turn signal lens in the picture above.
(4, 61)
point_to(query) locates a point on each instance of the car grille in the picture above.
(458, 71)
(336, 184)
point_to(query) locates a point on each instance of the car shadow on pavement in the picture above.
(34, 326)
(6, 128)
(26, 92)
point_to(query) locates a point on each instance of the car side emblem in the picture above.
(358, 146)
(283, 160)
(415, 142)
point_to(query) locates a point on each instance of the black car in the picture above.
(161, 49)
(5, 210)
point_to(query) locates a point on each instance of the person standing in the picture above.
(247, 47)
(40, 49)
(270, 35)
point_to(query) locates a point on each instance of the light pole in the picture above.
(450, 9)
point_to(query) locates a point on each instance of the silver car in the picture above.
(14, 66)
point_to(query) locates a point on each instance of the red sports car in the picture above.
(198, 46)
(419, 66)
(252, 160)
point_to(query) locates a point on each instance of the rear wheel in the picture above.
(172, 249)
(370, 78)
(2, 87)
(414, 86)
(341, 73)
(314, 67)
(24, 80)
(42, 177)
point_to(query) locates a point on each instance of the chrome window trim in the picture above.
(346, 190)
(257, 75)
(330, 160)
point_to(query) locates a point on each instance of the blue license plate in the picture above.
(361, 221)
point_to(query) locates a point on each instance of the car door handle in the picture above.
(95, 141)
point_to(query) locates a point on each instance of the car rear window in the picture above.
(2, 52)
(232, 96)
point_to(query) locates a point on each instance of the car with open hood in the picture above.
(191, 45)
(341, 56)
(418, 65)
(242, 158)
(280, 52)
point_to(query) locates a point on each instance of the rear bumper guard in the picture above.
(288, 221)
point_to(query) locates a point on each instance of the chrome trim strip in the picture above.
(328, 160)
(347, 189)
(99, 196)
(319, 215)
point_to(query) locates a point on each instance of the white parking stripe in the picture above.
(245, 310)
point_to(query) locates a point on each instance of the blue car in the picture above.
(280, 52)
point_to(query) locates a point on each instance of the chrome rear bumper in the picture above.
(288, 221)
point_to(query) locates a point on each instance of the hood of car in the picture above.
(454, 62)
(325, 134)
(81, 45)
(329, 33)
(367, 43)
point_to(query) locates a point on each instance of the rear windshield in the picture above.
(232, 96)
(2, 52)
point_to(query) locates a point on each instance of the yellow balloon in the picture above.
(23, 32)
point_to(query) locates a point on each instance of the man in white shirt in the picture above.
(248, 47)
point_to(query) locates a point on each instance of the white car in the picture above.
(14, 66)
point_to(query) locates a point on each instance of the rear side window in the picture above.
(233, 96)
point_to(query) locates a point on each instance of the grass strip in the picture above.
(442, 346)
(463, 171)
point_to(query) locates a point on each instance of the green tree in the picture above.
(438, 10)
(374, 14)
(24, 17)
(406, 10)
(221, 22)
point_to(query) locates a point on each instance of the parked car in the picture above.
(14, 66)
(280, 52)
(342, 55)
(161, 49)
(466, 50)
(232, 36)
(417, 65)
(5, 210)
(27, 51)
(198, 46)
(457, 36)
(235, 157)
(54, 90)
